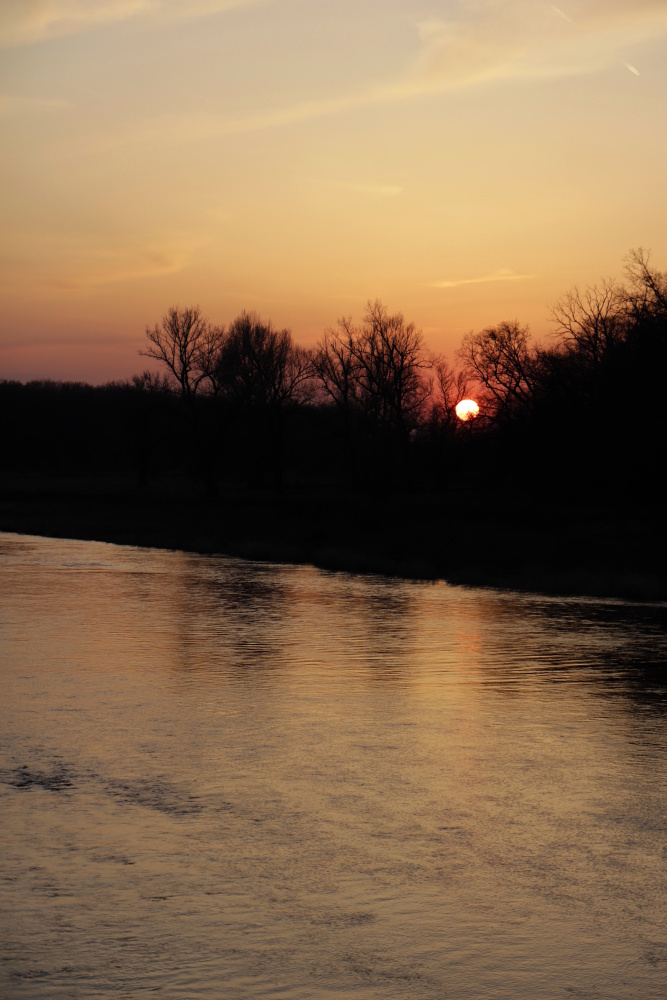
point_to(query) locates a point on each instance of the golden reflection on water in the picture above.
(230, 779)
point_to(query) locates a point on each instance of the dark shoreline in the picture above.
(508, 542)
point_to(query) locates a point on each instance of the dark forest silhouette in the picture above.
(362, 429)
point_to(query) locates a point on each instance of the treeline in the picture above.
(370, 406)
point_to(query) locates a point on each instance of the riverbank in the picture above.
(508, 540)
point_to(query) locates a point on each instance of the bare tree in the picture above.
(151, 392)
(391, 369)
(449, 388)
(647, 291)
(260, 366)
(335, 364)
(207, 358)
(592, 323)
(379, 369)
(500, 363)
(152, 383)
(188, 346)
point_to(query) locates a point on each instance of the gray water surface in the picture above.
(232, 779)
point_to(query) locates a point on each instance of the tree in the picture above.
(646, 296)
(335, 365)
(379, 369)
(151, 392)
(377, 376)
(259, 366)
(592, 324)
(261, 374)
(392, 367)
(449, 388)
(500, 362)
(150, 383)
(188, 346)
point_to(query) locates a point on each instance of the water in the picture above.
(225, 779)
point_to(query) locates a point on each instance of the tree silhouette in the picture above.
(379, 368)
(449, 388)
(259, 366)
(336, 367)
(501, 364)
(591, 323)
(188, 347)
(646, 296)
(392, 369)
(377, 376)
(260, 374)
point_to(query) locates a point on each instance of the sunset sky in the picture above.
(466, 161)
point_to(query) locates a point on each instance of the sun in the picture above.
(467, 409)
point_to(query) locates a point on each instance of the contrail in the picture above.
(631, 68)
(502, 275)
(561, 13)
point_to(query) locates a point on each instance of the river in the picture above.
(225, 779)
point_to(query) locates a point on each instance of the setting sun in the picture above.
(319, 323)
(300, 149)
(467, 409)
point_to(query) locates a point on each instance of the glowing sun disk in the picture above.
(467, 409)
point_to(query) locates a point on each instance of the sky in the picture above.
(464, 161)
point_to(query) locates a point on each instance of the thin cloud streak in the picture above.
(373, 189)
(513, 41)
(11, 104)
(503, 275)
(458, 54)
(58, 340)
(84, 268)
(176, 129)
(561, 13)
(28, 22)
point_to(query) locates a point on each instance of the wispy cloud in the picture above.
(504, 274)
(25, 22)
(561, 13)
(114, 269)
(487, 41)
(374, 190)
(11, 104)
(481, 42)
(176, 129)
(40, 342)
(370, 189)
(75, 264)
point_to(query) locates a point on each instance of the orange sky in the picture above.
(466, 162)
